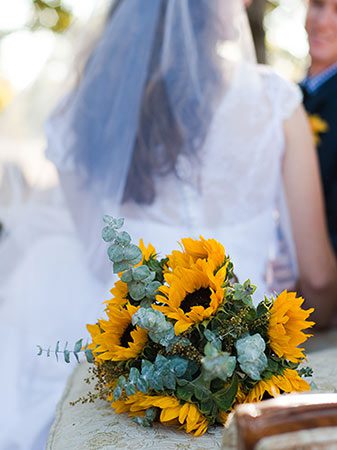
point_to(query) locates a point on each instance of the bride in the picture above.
(174, 127)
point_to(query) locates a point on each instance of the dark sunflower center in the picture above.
(126, 336)
(201, 297)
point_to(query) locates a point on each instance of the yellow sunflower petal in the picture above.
(147, 251)
(168, 414)
(286, 325)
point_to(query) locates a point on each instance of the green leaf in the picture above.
(169, 381)
(142, 385)
(134, 262)
(155, 266)
(251, 314)
(192, 369)
(206, 406)
(182, 382)
(108, 234)
(130, 389)
(121, 266)
(202, 393)
(134, 375)
(140, 273)
(273, 365)
(152, 288)
(225, 397)
(137, 290)
(123, 238)
(108, 219)
(57, 349)
(210, 350)
(266, 374)
(150, 278)
(78, 346)
(117, 393)
(132, 252)
(118, 223)
(127, 276)
(305, 372)
(261, 309)
(116, 253)
(89, 356)
(157, 383)
(66, 355)
(184, 393)
(179, 366)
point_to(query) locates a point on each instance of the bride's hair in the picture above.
(163, 132)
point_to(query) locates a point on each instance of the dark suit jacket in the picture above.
(324, 103)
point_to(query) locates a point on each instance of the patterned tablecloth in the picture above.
(95, 426)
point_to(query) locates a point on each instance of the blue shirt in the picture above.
(312, 84)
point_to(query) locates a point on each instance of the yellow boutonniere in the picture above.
(318, 126)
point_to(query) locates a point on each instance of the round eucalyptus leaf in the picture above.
(152, 288)
(137, 290)
(120, 266)
(117, 393)
(108, 234)
(132, 252)
(150, 278)
(116, 253)
(118, 223)
(142, 385)
(140, 273)
(135, 261)
(123, 238)
(127, 276)
(108, 219)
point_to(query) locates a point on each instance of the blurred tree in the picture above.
(51, 14)
(256, 13)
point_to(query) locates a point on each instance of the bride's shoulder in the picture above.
(285, 95)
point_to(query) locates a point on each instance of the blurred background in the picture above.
(38, 41)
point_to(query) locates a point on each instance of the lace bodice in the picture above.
(239, 167)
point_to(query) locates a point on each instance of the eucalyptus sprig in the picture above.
(77, 350)
(124, 255)
(158, 376)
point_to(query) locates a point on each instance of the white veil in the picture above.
(194, 48)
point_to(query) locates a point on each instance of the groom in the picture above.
(320, 97)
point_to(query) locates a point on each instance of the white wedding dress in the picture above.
(52, 292)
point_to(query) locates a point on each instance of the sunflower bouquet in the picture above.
(182, 342)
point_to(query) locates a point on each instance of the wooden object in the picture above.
(284, 414)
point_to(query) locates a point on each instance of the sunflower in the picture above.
(119, 294)
(195, 249)
(318, 126)
(187, 415)
(116, 339)
(148, 252)
(288, 382)
(286, 325)
(192, 294)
